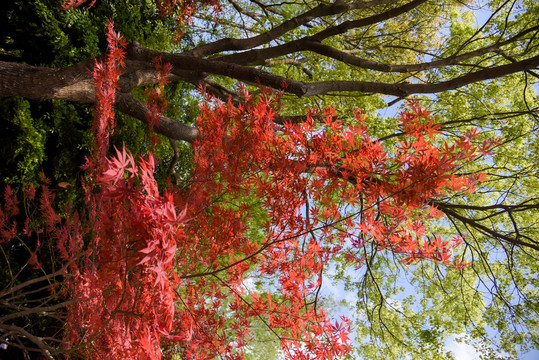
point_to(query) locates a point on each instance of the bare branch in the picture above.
(321, 10)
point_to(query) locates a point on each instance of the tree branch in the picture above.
(474, 224)
(229, 44)
(168, 127)
(404, 90)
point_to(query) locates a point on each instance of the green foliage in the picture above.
(52, 136)
(22, 142)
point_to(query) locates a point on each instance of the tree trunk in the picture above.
(75, 83)
(72, 83)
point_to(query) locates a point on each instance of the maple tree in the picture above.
(269, 197)
(141, 257)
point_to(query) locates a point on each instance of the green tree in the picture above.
(473, 63)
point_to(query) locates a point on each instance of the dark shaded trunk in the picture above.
(72, 83)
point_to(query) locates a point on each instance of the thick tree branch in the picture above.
(197, 65)
(72, 83)
(354, 24)
(262, 56)
(404, 90)
(300, 89)
(75, 83)
(168, 127)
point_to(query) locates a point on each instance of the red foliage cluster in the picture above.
(266, 202)
(10, 208)
(120, 276)
(74, 3)
(324, 191)
(184, 8)
(125, 301)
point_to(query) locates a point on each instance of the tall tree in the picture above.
(474, 64)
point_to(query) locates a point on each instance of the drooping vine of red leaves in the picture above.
(106, 75)
(125, 300)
